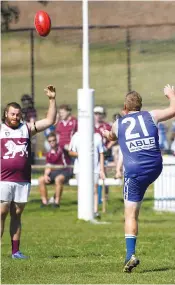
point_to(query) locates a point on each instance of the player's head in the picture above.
(99, 114)
(64, 111)
(52, 140)
(133, 102)
(12, 115)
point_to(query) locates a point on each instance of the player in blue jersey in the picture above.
(137, 134)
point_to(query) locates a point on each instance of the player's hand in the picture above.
(118, 174)
(66, 147)
(46, 179)
(102, 175)
(50, 91)
(169, 91)
(105, 133)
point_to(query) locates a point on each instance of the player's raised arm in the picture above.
(43, 124)
(167, 113)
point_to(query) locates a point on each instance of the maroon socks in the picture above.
(15, 246)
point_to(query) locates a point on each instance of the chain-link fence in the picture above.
(121, 59)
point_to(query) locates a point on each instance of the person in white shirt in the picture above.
(98, 163)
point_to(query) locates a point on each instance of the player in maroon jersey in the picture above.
(66, 126)
(29, 115)
(55, 156)
(16, 163)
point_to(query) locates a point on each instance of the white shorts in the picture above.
(14, 191)
(96, 177)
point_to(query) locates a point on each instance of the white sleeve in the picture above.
(100, 145)
(73, 144)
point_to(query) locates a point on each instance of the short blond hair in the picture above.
(133, 101)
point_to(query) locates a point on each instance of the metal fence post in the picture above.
(32, 64)
(128, 48)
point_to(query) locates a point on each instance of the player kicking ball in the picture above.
(137, 134)
(16, 164)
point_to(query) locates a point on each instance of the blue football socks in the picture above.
(130, 246)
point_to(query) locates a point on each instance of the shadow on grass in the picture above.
(76, 255)
(158, 269)
(64, 203)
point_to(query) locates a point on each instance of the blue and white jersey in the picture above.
(139, 142)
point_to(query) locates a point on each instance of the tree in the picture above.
(43, 2)
(8, 14)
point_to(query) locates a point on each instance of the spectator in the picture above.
(98, 163)
(29, 115)
(66, 126)
(116, 151)
(28, 110)
(173, 138)
(163, 142)
(60, 176)
(100, 126)
(47, 132)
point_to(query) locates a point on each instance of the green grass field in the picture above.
(64, 250)
(61, 248)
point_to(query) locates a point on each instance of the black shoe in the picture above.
(43, 205)
(130, 264)
(97, 216)
(56, 205)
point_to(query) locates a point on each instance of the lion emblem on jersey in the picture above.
(14, 148)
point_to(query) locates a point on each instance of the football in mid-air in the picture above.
(42, 23)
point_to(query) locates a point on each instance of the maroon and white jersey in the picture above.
(100, 128)
(15, 154)
(58, 157)
(65, 130)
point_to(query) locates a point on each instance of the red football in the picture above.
(42, 23)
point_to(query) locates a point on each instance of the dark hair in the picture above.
(26, 97)
(52, 134)
(12, 104)
(65, 107)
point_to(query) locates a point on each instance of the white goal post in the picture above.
(85, 129)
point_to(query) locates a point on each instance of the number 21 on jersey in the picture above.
(129, 131)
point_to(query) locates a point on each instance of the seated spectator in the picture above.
(47, 132)
(58, 176)
(29, 115)
(98, 163)
(163, 141)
